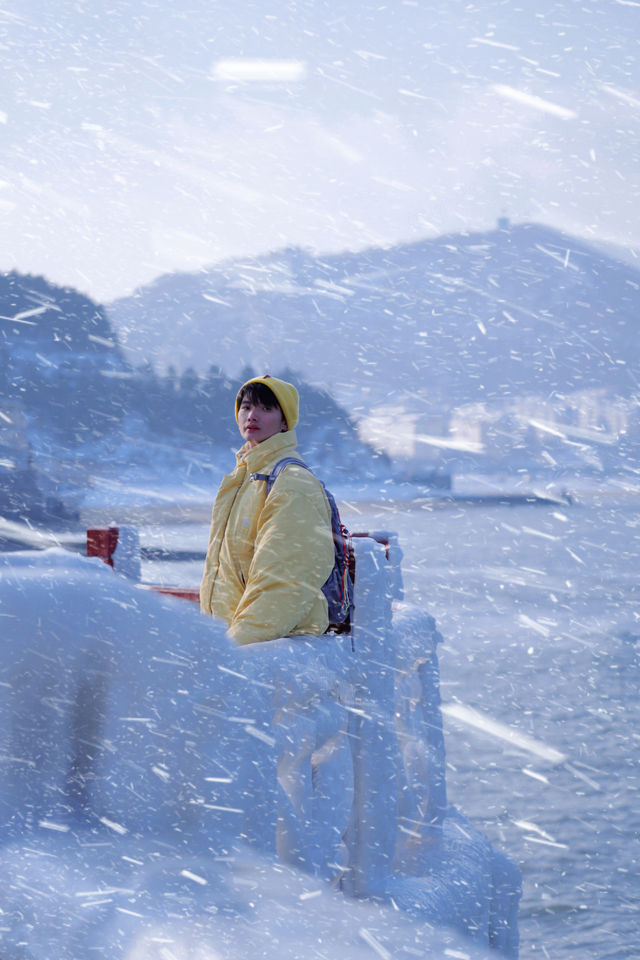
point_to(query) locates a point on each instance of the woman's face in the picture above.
(257, 422)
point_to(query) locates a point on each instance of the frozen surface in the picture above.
(143, 751)
(75, 895)
(538, 607)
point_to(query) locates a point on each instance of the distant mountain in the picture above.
(466, 317)
(59, 359)
(459, 329)
(37, 313)
(72, 407)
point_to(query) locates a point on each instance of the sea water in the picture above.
(539, 608)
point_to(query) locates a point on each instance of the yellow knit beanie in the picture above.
(285, 393)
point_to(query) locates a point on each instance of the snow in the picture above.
(168, 794)
(164, 794)
(498, 351)
(172, 149)
(535, 103)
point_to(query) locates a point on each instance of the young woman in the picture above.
(268, 556)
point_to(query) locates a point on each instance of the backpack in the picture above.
(338, 589)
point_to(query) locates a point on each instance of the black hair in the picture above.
(258, 393)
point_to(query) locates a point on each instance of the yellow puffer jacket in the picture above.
(269, 557)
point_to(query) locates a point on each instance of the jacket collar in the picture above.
(265, 454)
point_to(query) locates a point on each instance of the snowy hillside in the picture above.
(489, 341)
(74, 412)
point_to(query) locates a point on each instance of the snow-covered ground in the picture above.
(539, 611)
(150, 772)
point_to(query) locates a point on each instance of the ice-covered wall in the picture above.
(128, 718)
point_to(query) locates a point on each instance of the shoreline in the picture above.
(173, 505)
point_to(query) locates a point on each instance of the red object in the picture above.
(102, 542)
(185, 593)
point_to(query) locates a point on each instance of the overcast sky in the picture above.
(145, 136)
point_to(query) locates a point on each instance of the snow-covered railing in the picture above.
(128, 714)
(356, 731)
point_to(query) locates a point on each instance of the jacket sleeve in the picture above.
(293, 558)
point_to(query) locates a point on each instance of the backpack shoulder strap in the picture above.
(276, 470)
